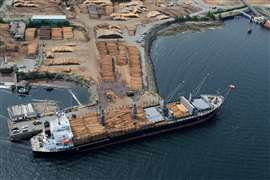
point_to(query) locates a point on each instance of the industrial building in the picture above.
(48, 20)
(17, 29)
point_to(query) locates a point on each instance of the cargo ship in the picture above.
(69, 133)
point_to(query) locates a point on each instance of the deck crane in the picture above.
(167, 99)
(198, 88)
(174, 92)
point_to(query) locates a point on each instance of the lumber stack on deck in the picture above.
(135, 68)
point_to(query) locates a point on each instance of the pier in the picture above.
(245, 2)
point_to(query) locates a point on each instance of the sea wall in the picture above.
(176, 26)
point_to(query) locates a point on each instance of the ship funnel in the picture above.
(134, 111)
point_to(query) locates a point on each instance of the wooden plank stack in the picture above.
(67, 33)
(122, 58)
(86, 129)
(30, 34)
(58, 62)
(112, 48)
(102, 48)
(45, 33)
(135, 68)
(106, 66)
(57, 33)
(32, 48)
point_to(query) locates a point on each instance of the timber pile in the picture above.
(87, 129)
(122, 58)
(45, 33)
(11, 46)
(67, 33)
(4, 27)
(32, 48)
(106, 66)
(62, 49)
(58, 62)
(179, 110)
(120, 121)
(102, 48)
(135, 68)
(112, 48)
(30, 34)
(55, 69)
(25, 3)
(57, 33)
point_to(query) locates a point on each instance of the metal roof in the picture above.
(153, 114)
(200, 104)
(48, 17)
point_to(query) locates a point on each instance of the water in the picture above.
(235, 145)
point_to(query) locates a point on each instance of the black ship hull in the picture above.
(132, 136)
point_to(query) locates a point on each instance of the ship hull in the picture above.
(132, 136)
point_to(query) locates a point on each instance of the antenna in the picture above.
(198, 88)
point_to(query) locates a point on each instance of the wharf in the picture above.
(26, 120)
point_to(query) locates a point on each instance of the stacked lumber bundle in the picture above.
(112, 48)
(58, 62)
(4, 27)
(87, 129)
(30, 34)
(67, 32)
(120, 121)
(179, 110)
(131, 30)
(49, 54)
(45, 33)
(108, 10)
(57, 33)
(135, 68)
(55, 69)
(102, 48)
(25, 3)
(122, 58)
(62, 49)
(11, 47)
(32, 48)
(106, 67)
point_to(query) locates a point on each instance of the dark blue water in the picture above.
(235, 145)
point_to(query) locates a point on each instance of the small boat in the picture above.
(249, 31)
(49, 88)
